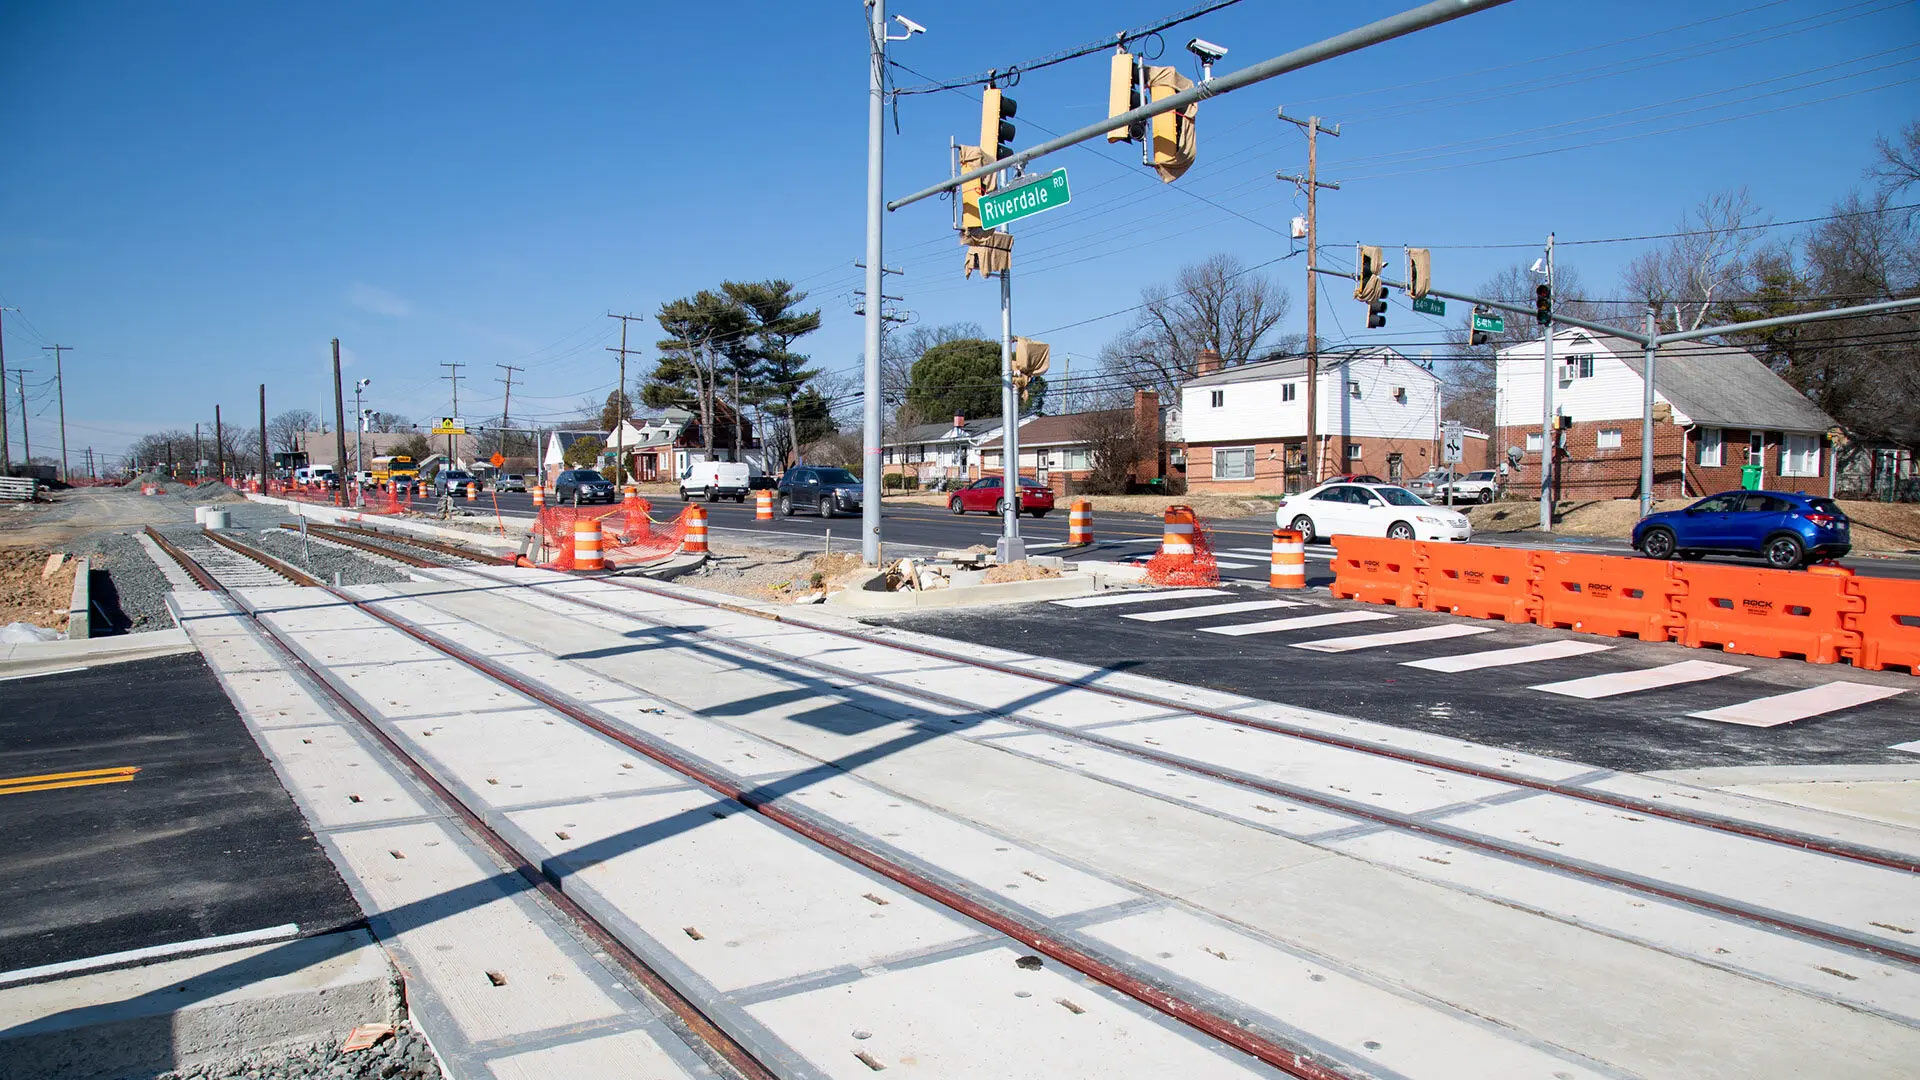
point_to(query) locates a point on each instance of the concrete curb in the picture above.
(858, 594)
(37, 657)
(80, 606)
(338, 515)
(239, 1001)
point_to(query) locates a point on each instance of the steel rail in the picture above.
(284, 569)
(481, 557)
(695, 1022)
(1295, 1062)
(1406, 822)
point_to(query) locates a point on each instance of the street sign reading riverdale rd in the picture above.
(1026, 200)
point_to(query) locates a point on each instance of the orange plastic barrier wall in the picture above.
(1376, 571)
(1766, 612)
(1478, 581)
(1888, 623)
(1607, 594)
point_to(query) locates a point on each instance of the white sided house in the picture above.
(1246, 424)
(1717, 409)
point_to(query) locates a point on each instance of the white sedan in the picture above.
(1369, 510)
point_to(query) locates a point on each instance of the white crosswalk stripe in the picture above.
(1268, 553)
(1631, 682)
(1224, 565)
(1797, 705)
(1110, 599)
(1909, 747)
(1524, 654)
(1303, 622)
(1393, 637)
(1211, 609)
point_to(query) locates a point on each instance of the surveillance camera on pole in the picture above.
(1208, 52)
(910, 26)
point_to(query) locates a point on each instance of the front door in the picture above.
(1393, 468)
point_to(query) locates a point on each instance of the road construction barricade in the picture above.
(1888, 623)
(1767, 612)
(586, 545)
(763, 505)
(695, 540)
(1288, 566)
(1186, 554)
(1376, 571)
(1477, 581)
(1080, 523)
(1608, 594)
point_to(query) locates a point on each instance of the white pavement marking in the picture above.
(1631, 682)
(1524, 654)
(1273, 626)
(1211, 609)
(38, 674)
(1224, 565)
(1909, 747)
(1395, 637)
(1798, 705)
(1311, 553)
(152, 952)
(1137, 597)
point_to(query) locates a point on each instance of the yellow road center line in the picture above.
(127, 770)
(24, 788)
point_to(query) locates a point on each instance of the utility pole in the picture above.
(60, 388)
(219, 447)
(339, 429)
(1546, 405)
(6, 451)
(1646, 419)
(876, 211)
(620, 405)
(453, 376)
(506, 405)
(197, 475)
(1312, 126)
(263, 437)
(26, 437)
(1009, 548)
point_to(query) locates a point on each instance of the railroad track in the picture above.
(218, 562)
(405, 550)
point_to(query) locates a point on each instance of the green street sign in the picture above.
(1489, 324)
(1026, 200)
(1429, 305)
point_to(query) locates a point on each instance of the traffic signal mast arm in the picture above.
(1393, 26)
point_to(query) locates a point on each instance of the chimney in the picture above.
(959, 421)
(1146, 424)
(1208, 363)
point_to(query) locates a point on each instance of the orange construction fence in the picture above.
(1186, 552)
(628, 534)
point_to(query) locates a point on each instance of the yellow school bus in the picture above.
(395, 468)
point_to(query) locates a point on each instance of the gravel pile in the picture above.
(138, 598)
(326, 559)
(405, 1056)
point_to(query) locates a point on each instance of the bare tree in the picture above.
(1114, 444)
(1703, 272)
(1899, 164)
(1215, 304)
(284, 431)
(385, 422)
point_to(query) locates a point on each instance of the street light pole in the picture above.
(1546, 405)
(876, 213)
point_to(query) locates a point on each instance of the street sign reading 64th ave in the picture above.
(1026, 200)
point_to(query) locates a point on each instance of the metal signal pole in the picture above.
(1546, 406)
(876, 212)
(339, 428)
(1009, 548)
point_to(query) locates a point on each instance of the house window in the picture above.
(1353, 390)
(1353, 452)
(1077, 461)
(1800, 455)
(1582, 366)
(1219, 398)
(1609, 439)
(1709, 456)
(1286, 391)
(1233, 463)
(1400, 394)
(1756, 447)
(1533, 442)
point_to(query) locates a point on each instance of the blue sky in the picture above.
(199, 196)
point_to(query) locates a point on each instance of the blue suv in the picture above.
(1786, 530)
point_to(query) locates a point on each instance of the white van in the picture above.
(312, 474)
(716, 480)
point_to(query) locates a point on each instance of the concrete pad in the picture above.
(206, 1008)
(628, 1054)
(38, 657)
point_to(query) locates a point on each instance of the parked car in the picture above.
(1482, 486)
(824, 489)
(1787, 530)
(1386, 510)
(455, 482)
(513, 482)
(582, 485)
(1354, 478)
(1432, 482)
(712, 480)
(364, 478)
(985, 495)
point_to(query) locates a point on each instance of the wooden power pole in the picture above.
(339, 429)
(620, 402)
(1311, 182)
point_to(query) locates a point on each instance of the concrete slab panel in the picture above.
(341, 781)
(628, 1054)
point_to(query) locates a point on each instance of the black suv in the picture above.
(582, 485)
(822, 489)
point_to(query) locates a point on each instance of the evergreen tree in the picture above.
(782, 375)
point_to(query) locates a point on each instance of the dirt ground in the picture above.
(1204, 505)
(74, 514)
(1019, 571)
(27, 595)
(762, 574)
(1876, 526)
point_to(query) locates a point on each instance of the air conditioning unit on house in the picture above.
(1569, 370)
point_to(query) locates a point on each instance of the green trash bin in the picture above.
(1750, 477)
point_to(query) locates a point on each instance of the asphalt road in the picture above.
(1241, 544)
(201, 841)
(1864, 718)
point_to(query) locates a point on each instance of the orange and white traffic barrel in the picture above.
(1289, 568)
(473, 490)
(539, 498)
(1080, 523)
(1176, 535)
(695, 542)
(586, 545)
(763, 505)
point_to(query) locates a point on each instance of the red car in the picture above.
(984, 495)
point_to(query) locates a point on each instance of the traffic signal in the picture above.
(996, 128)
(1123, 96)
(1543, 304)
(1478, 337)
(1419, 272)
(1377, 312)
(1367, 287)
(1172, 145)
(971, 158)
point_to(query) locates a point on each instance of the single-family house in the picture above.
(1055, 449)
(1245, 424)
(935, 452)
(1717, 409)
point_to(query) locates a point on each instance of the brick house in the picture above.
(1246, 424)
(1054, 450)
(1716, 409)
